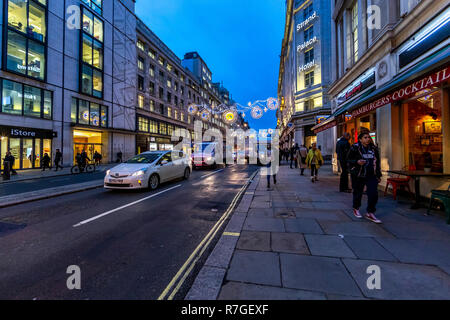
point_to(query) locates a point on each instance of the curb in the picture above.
(208, 283)
(47, 177)
(21, 198)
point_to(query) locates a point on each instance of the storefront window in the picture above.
(37, 152)
(14, 148)
(422, 116)
(87, 113)
(27, 154)
(32, 101)
(95, 115)
(83, 112)
(12, 97)
(3, 149)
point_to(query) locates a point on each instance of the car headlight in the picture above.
(209, 159)
(139, 173)
(108, 172)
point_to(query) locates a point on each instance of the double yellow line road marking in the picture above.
(174, 286)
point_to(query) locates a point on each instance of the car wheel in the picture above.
(153, 182)
(187, 174)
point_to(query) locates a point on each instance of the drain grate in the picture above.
(285, 215)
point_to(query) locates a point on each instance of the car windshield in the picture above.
(201, 147)
(145, 158)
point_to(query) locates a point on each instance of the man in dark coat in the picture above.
(58, 159)
(342, 149)
(46, 162)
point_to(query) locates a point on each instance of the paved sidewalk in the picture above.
(38, 173)
(300, 241)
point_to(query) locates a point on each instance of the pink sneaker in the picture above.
(373, 218)
(357, 214)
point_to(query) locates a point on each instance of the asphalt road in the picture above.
(131, 253)
(17, 187)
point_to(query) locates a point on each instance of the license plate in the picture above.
(115, 180)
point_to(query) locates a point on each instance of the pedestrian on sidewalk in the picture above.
(58, 160)
(46, 162)
(302, 154)
(314, 160)
(97, 158)
(365, 169)
(293, 155)
(7, 166)
(271, 168)
(342, 149)
(119, 157)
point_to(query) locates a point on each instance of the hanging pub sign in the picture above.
(321, 119)
(405, 92)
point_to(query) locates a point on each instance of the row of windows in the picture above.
(151, 126)
(26, 37)
(95, 5)
(20, 99)
(92, 55)
(88, 113)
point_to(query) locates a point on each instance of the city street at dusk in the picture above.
(219, 158)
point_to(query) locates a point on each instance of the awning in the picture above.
(436, 68)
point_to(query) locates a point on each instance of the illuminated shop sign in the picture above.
(321, 119)
(405, 92)
(303, 24)
(306, 44)
(307, 66)
(358, 86)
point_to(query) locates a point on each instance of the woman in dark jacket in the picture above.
(46, 162)
(365, 168)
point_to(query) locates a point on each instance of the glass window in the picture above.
(92, 55)
(73, 111)
(141, 63)
(95, 115)
(153, 126)
(163, 128)
(36, 60)
(140, 83)
(104, 117)
(17, 14)
(143, 124)
(48, 103)
(98, 83)
(95, 5)
(140, 45)
(83, 112)
(152, 70)
(152, 53)
(309, 56)
(16, 59)
(36, 22)
(169, 112)
(152, 106)
(12, 97)
(309, 78)
(32, 101)
(422, 119)
(354, 25)
(309, 33)
(86, 80)
(141, 101)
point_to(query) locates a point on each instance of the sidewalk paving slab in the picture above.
(303, 225)
(366, 229)
(432, 252)
(222, 252)
(245, 291)
(255, 241)
(264, 224)
(328, 246)
(327, 275)
(330, 215)
(401, 281)
(255, 267)
(289, 243)
(368, 249)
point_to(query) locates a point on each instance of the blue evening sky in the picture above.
(240, 41)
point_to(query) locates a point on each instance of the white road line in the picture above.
(123, 207)
(207, 175)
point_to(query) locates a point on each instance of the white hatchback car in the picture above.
(149, 170)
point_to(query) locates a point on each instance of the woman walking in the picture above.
(314, 160)
(365, 169)
(302, 154)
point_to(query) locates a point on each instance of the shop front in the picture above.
(86, 140)
(27, 145)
